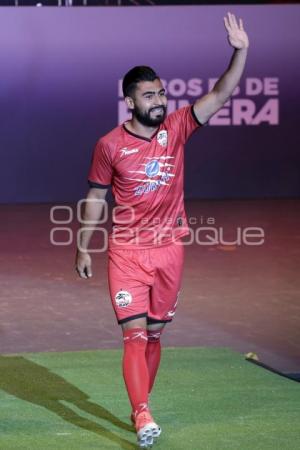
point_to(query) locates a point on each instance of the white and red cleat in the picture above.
(146, 428)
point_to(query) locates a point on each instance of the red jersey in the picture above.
(147, 181)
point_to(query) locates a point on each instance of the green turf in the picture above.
(208, 399)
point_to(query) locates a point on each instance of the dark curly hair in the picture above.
(134, 76)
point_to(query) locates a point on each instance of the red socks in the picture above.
(153, 353)
(135, 370)
(141, 360)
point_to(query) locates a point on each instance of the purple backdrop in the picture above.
(60, 69)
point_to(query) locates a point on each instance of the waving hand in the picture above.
(237, 36)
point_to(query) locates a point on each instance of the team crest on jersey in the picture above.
(123, 298)
(162, 138)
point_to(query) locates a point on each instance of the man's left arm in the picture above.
(209, 104)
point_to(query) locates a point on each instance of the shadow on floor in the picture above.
(38, 385)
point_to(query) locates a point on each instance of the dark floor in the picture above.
(238, 296)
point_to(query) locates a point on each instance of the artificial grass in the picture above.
(204, 398)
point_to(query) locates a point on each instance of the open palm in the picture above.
(237, 36)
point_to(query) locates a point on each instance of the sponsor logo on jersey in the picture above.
(152, 168)
(162, 138)
(158, 173)
(125, 151)
(123, 299)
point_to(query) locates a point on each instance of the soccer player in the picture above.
(143, 162)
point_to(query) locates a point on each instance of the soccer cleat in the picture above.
(146, 429)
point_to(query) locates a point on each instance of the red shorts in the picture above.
(145, 282)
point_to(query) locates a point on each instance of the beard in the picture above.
(145, 117)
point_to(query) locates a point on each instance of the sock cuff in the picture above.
(142, 407)
(135, 334)
(154, 335)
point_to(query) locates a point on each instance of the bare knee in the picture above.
(154, 331)
(135, 323)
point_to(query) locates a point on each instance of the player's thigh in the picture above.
(135, 323)
(128, 286)
(156, 326)
(166, 288)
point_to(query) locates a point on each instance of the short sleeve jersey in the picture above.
(147, 181)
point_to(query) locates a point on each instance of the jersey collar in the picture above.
(141, 137)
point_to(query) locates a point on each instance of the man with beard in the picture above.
(143, 161)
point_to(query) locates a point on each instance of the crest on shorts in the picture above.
(123, 298)
(162, 138)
